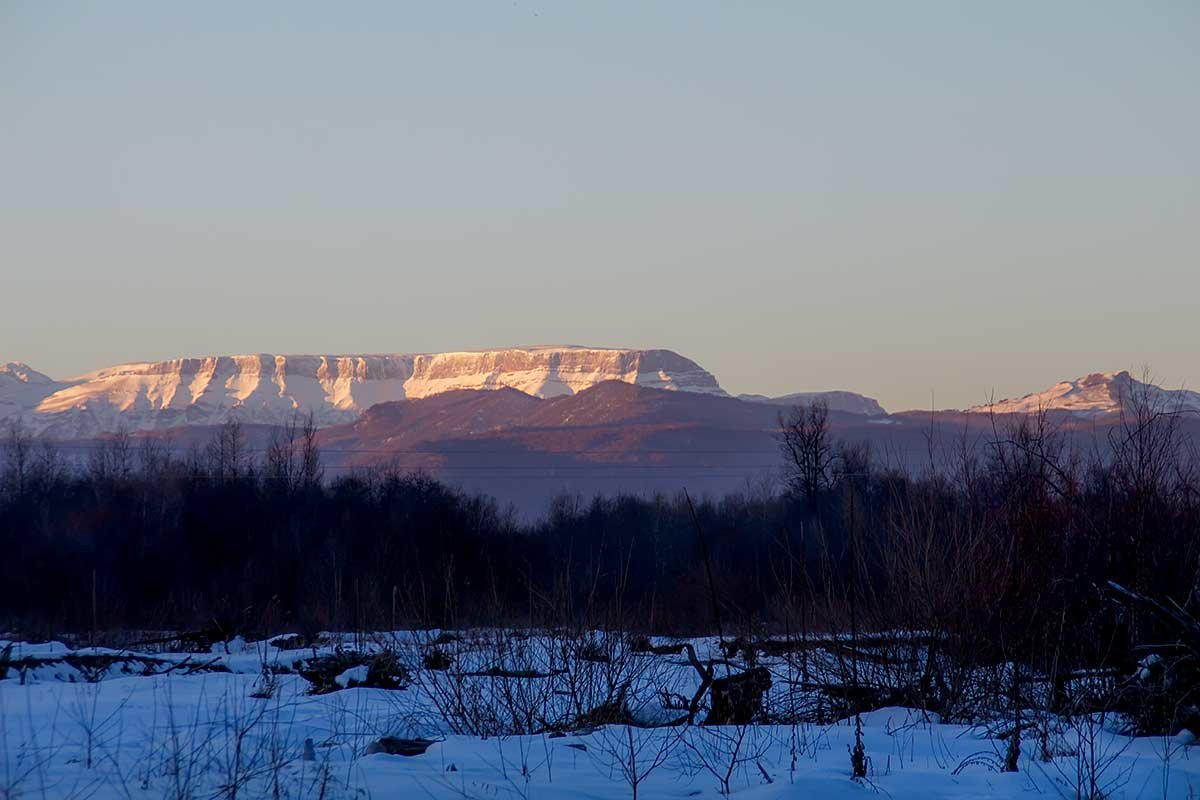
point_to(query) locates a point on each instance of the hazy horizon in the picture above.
(991, 396)
(924, 204)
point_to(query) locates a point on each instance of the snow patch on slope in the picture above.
(849, 402)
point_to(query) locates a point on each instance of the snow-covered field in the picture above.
(500, 715)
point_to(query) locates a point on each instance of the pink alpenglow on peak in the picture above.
(268, 389)
(1097, 394)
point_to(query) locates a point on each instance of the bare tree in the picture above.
(807, 448)
(293, 461)
(227, 453)
(18, 457)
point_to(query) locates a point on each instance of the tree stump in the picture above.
(738, 699)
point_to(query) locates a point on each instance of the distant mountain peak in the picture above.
(22, 388)
(1096, 394)
(848, 402)
(20, 371)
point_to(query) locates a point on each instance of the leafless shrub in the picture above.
(632, 753)
(1092, 768)
(726, 753)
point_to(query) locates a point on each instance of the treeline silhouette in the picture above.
(1023, 551)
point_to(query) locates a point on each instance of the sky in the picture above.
(926, 202)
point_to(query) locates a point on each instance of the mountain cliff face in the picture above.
(555, 371)
(1097, 394)
(268, 389)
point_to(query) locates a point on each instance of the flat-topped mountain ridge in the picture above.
(333, 389)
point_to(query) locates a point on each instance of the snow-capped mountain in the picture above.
(268, 389)
(22, 388)
(1097, 394)
(849, 402)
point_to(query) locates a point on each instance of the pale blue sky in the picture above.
(894, 198)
